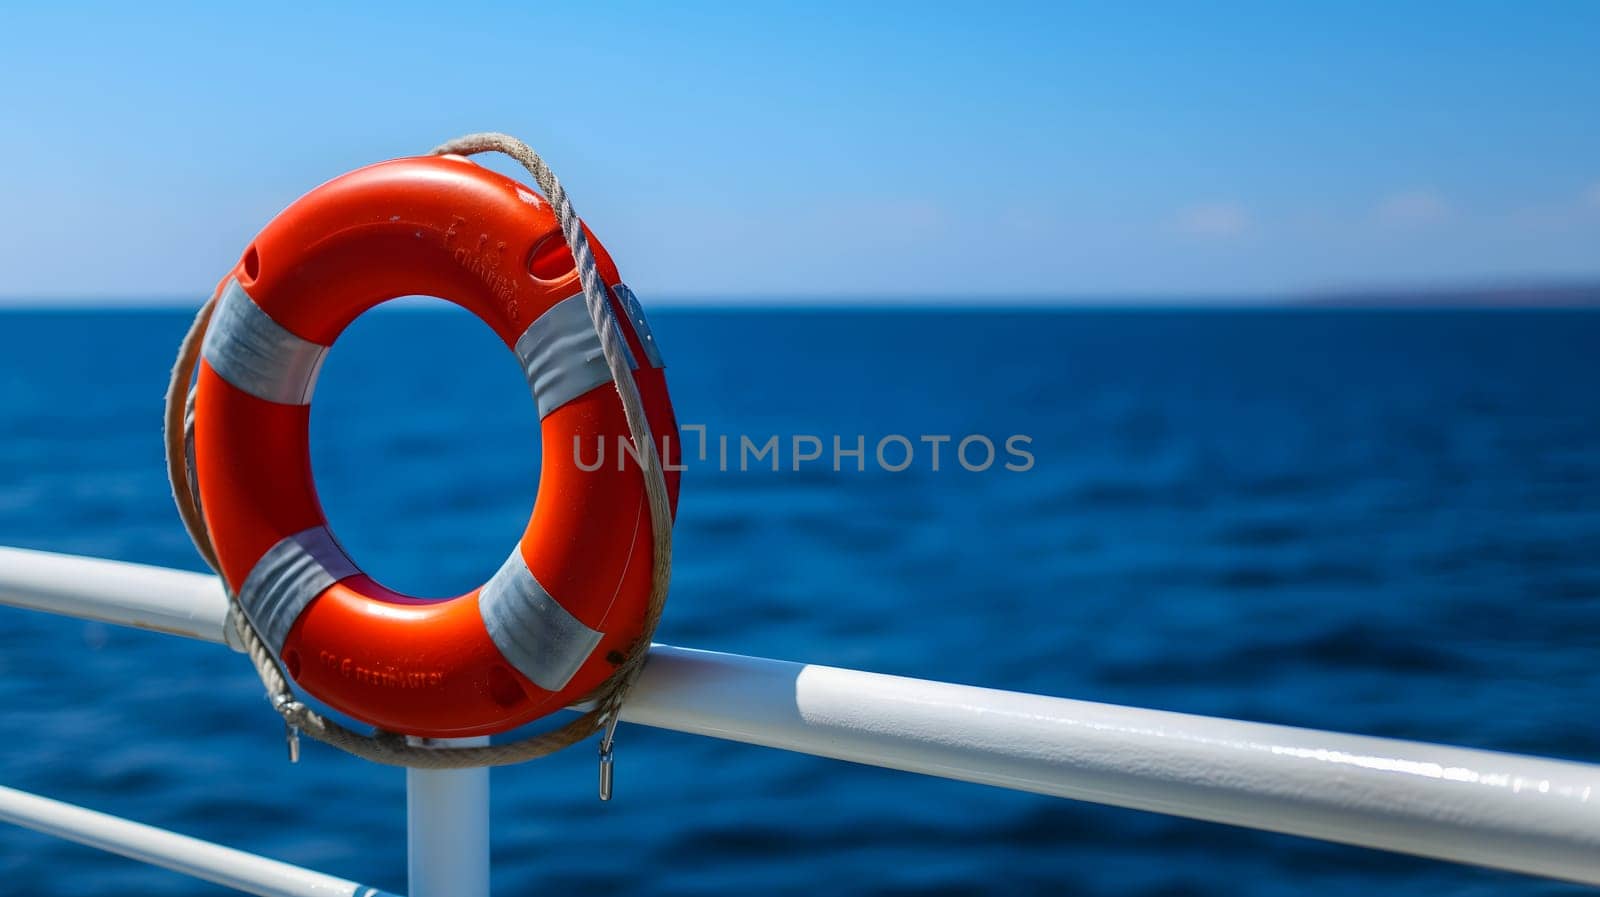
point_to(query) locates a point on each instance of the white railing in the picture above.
(1523, 814)
(180, 853)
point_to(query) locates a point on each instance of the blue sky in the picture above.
(992, 149)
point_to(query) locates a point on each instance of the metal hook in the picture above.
(607, 755)
(286, 704)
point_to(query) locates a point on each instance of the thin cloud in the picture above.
(1213, 221)
(1414, 207)
(1591, 196)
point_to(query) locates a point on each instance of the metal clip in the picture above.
(285, 704)
(607, 754)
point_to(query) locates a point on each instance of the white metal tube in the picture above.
(1520, 813)
(201, 859)
(172, 601)
(447, 829)
(1489, 809)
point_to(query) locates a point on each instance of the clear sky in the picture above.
(1090, 151)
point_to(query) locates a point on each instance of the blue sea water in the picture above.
(1376, 522)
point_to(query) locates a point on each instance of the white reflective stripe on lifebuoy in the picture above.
(533, 631)
(250, 350)
(561, 356)
(641, 326)
(287, 577)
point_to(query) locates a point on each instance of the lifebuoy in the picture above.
(570, 601)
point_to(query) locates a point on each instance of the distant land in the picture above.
(1582, 294)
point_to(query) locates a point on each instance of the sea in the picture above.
(1382, 522)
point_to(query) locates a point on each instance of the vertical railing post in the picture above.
(447, 829)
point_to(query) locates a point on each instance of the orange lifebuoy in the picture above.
(570, 601)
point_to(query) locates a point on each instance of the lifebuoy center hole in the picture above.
(424, 447)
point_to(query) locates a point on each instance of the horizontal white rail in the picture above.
(201, 859)
(171, 601)
(1511, 812)
(1524, 814)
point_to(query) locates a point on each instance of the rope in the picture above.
(389, 747)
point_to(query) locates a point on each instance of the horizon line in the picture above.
(1529, 293)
